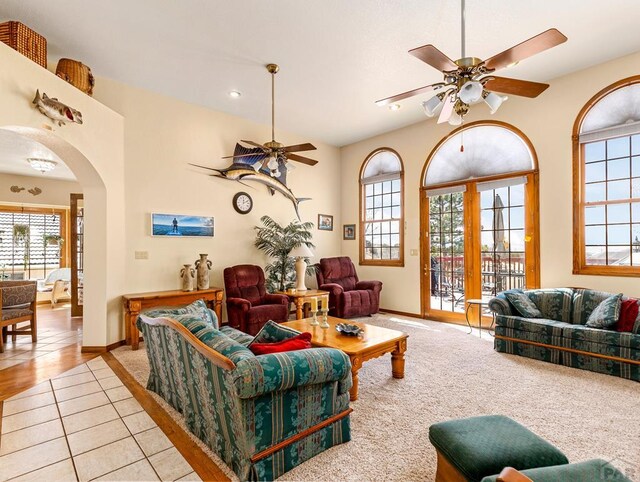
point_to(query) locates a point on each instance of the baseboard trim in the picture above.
(401, 313)
(102, 349)
(570, 350)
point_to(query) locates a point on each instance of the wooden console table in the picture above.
(135, 303)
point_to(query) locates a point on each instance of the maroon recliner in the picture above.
(249, 306)
(348, 297)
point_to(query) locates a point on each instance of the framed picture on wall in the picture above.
(349, 232)
(181, 225)
(325, 222)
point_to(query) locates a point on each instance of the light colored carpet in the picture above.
(450, 374)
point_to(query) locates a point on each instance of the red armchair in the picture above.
(348, 297)
(249, 306)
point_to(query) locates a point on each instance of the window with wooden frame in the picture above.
(382, 209)
(606, 161)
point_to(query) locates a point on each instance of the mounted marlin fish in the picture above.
(244, 172)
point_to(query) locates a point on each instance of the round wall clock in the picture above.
(242, 203)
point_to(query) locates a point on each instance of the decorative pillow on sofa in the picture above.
(197, 308)
(628, 315)
(606, 314)
(272, 332)
(523, 304)
(299, 342)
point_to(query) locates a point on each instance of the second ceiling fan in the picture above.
(274, 152)
(470, 80)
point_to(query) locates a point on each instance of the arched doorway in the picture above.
(95, 199)
(479, 218)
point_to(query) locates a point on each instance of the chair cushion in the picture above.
(13, 313)
(191, 322)
(607, 337)
(629, 314)
(606, 314)
(584, 302)
(592, 470)
(553, 303)
(272, 332)
(237, 335)
(540, 329)
(482, 446)
(339, 270)
(523, 304)
(299, 342)
(197, 308)
(224, 345)
(245, 281)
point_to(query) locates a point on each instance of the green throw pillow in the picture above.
(272, 332)
(523, 304)
(197, 308)
(606, 313)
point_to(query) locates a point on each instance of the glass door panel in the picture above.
(446, 252)
(502, 231)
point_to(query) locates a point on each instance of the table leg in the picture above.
(356, 364)
(132, 316)
(466, 316)
(299, 304)
(397, 359)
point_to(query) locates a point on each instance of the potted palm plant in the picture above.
(277, 241)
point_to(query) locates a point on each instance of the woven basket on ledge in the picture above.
(77, 74)
(21, 38)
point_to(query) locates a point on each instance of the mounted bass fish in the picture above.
(244, 172)
(56, 110)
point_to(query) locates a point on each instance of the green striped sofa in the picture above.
(262, 415)
(561, 336)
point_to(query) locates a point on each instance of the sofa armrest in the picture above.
(281, 371)
(333, 288)
(273, 299)
(369, 285)
(500, 306)
(239, 303)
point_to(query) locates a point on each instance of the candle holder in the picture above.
(325, 323)
(314, 319)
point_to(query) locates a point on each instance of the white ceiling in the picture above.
(16, 149)
(337, 57)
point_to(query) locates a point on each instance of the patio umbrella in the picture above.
(498, 224)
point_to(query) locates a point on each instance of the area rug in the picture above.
(450, 374)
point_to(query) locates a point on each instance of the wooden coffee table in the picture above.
(375, 342)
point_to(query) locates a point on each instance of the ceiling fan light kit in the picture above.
(470, 80)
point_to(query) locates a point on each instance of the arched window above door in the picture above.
(488, 150)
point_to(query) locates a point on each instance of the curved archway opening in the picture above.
(95, 228)
(479, 220)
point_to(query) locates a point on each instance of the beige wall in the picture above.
(55, 192)
(162, 136)
(548, 122)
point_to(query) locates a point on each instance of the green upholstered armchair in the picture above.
(262, 415)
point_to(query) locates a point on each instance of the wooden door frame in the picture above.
(76, 309)
(472, 225)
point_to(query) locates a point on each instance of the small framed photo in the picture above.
(180, 225)
(325, 222)
(349, 232)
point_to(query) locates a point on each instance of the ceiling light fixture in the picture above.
(42, 165)
(433, 105)
(394, 107)
(494, 101)
(234, 94)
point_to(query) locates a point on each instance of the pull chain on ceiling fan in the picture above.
(274, 151)
(470, 80)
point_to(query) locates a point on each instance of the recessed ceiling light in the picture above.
(394, 107)
(234, 94)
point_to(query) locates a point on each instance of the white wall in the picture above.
(55, 192)
(548, 122)
(162, 136)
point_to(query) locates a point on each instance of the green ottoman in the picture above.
(470, 449)
(595, 470)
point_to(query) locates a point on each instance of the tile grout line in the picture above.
(64, 430)
(39, 468)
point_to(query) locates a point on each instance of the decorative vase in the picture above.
(203, 266)
(187, 274)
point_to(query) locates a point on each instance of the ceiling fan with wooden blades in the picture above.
(272, 154)
(470, 80)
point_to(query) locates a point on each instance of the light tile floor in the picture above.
(84, 425)
(49, 340)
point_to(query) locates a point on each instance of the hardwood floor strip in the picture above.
(25, 375)
(197, 458)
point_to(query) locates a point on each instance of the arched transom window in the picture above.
(381, 212)
(607, 180)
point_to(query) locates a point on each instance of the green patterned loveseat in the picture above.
(561, 335)
(262, 415)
